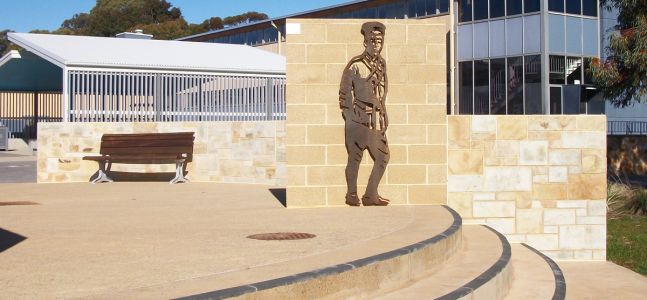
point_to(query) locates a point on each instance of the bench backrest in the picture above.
(142, 144)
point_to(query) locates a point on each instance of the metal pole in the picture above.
(66, 96)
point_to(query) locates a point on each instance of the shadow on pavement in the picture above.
(279, 194)
(9, 239)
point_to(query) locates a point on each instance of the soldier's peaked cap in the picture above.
(372, 27)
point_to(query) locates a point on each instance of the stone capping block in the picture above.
(340, 268)
(560, 282)
(497, 268)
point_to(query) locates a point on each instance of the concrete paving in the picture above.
(532, 276)
(18, 165)
(155, 240)
(481, 249)
(602, 280)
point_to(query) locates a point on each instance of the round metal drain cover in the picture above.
(281, 236)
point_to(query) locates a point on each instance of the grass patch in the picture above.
(627, 242)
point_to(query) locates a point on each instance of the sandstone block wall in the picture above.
(537, 179)
(317, 53)
(236, 152)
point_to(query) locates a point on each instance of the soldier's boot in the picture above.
(352, 199)
(375, 200)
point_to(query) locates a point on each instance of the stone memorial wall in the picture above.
(317, 53)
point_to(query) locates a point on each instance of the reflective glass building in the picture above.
(510, 56)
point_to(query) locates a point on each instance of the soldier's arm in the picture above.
(386, 90)
(346, 89)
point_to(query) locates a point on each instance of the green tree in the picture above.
(168, 30)
(622, 78)
(110, 17)
(245, 18)
(5, 44)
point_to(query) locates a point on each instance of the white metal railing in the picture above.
(130, 96)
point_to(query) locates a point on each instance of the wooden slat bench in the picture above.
(146, 148)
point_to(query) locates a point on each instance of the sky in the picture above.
(26, 15)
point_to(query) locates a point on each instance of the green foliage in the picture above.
(638, 203)
(623, 200)
(168, 30)
(627, 242)
(156, 17)
(5, 44)
(245, 18)
(110, 17)
(623, 77)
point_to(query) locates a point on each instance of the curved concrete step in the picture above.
(356, 271)
(535, 275)
(479, 270)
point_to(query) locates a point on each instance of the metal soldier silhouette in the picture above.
(362, 95)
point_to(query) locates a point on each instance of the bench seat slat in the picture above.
(147, 143)
(156, 136)
(146, 150)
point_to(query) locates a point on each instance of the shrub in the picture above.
(623, 199)
(638, 203)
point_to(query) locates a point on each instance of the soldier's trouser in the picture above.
(358, 139)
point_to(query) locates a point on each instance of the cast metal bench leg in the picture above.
(179, 174)
(103, 175)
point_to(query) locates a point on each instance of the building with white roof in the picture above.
(120, 79)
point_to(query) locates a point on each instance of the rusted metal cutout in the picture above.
(362, 96)
(281, 236)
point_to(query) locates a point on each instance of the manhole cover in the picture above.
(17, 203)
(281, 236)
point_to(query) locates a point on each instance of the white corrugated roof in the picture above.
(85, 51)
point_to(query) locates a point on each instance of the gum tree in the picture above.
(622, 78)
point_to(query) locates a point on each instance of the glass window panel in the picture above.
(370, 13)
(481, 87)
(556, 34)
(497, 86)
(571, 96)
(590, 37)
(588, 76)
(530, 6)
(556, 5)
(465, 42)
(432, 6)
(497, 38)
(466, 91)
(411, 11)
(465, 11)
(420, 7)
(480, 9)
(574, 7)
(514, 7)
(443, 6)
(573, 70)
(532, 34)
(481, 40)
(514, 38)
(590, 8)
(532, 83)
(497, 8)
(557, 69)
(573, 35)
(515, 85)
(555, 100)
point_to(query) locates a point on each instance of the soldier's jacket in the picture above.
(362, 92)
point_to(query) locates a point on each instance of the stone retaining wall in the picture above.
(537, 179)
(236, 152)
